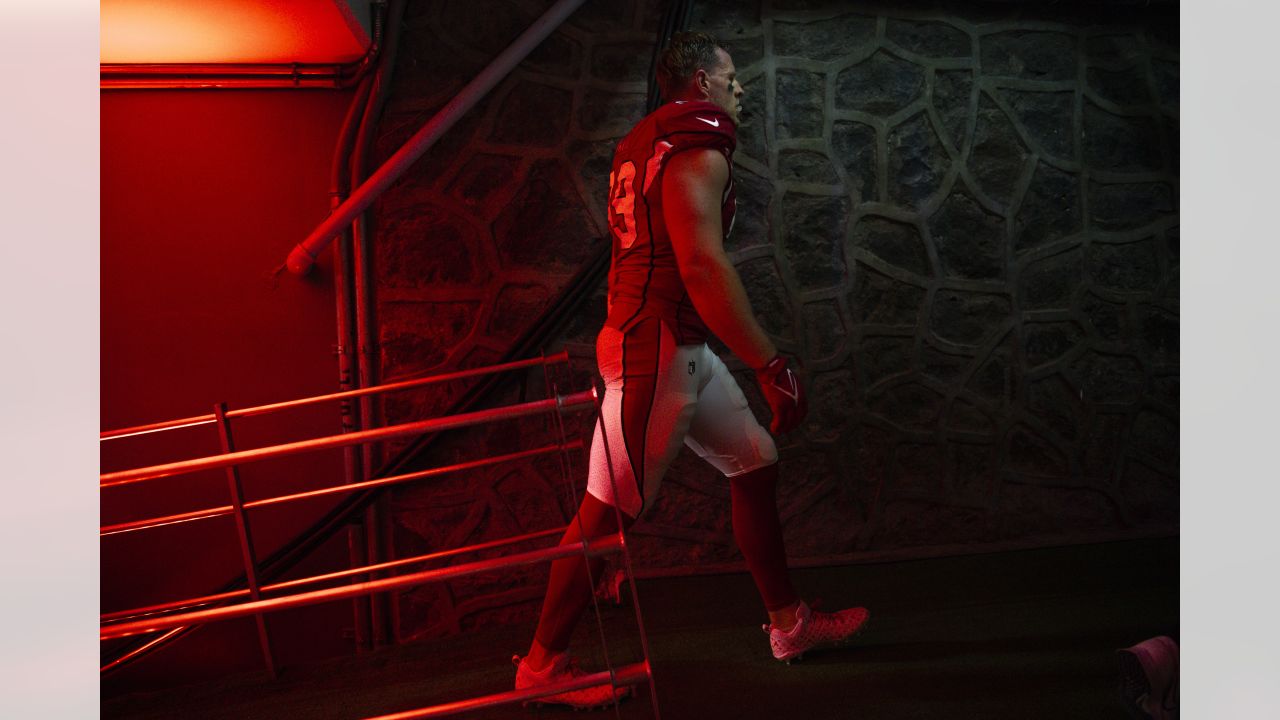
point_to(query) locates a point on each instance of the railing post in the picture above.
(242, 528)
(625, 550)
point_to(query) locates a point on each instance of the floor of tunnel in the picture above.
(1029, 633)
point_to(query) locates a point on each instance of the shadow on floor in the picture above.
(1026, 634)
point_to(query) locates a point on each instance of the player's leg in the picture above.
(627, 363)
(647, 407)
(649, 401)
(726, 433)
(569, 590)
(758, 532)
(568, 594)
(645, 414)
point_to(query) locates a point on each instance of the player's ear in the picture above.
(702, 80)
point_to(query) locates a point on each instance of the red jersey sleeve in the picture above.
(696, 124)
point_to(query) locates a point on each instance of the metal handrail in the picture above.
(449, 422)
(230, 459)
(224, 510)
(158, 618)
(209, 419)
(304, 254)
(377, 567)
(598, 547)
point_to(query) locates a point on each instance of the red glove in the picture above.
(783, 392)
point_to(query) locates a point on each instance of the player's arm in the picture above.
(692, 189)
(691, 193)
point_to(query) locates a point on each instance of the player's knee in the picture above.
(763, 475)
(766, 449)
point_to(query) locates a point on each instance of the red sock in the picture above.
(569, 590)
(759, 534)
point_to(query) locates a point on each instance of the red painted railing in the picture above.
(259, 599)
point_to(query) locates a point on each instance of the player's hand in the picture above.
(785, 395)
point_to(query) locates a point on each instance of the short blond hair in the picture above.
(687, 53)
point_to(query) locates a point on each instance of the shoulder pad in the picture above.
(696, 116)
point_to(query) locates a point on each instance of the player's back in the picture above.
(644, 279)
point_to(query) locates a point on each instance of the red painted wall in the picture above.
(203, 195)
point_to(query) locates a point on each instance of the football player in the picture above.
(671, 284)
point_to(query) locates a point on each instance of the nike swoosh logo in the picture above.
(712, 123)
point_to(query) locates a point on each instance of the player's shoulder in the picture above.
(693, 116)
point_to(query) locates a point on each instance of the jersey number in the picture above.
(622, 202)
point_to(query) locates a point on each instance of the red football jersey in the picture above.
(643, 279)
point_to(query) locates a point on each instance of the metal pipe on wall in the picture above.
(370, 522)
(226, 76)
(365, 322)
(364, 319)
(342, 301)
(304, 254)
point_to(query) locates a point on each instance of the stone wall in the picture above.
(473, 244)
(962, 219)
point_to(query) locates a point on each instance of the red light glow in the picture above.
(229, 31)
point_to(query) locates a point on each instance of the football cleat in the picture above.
(814, 631)
(562, 669)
